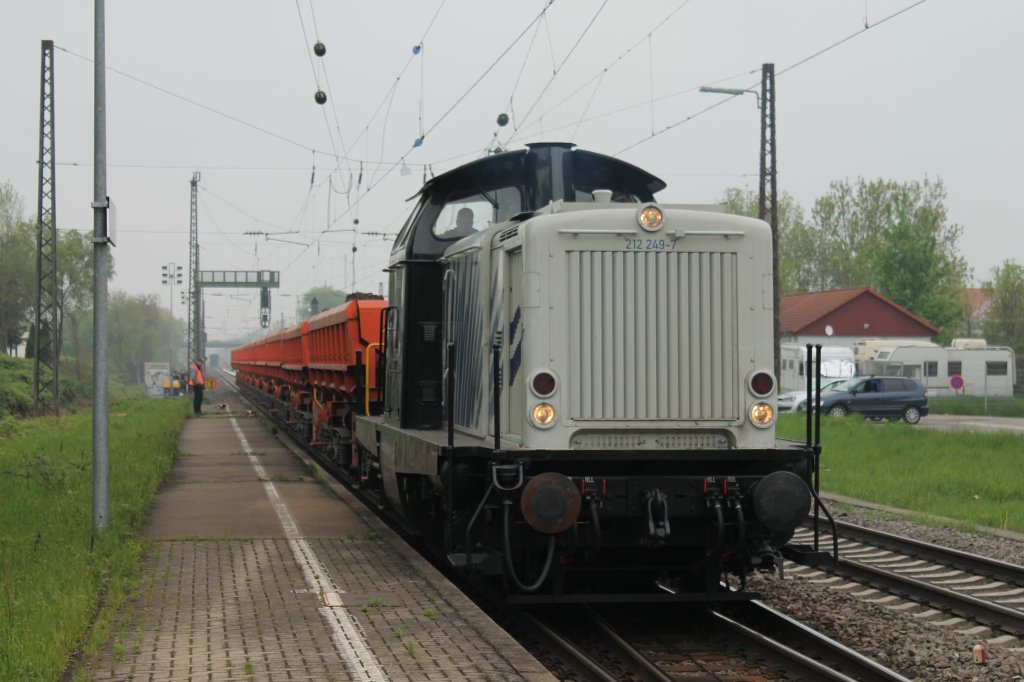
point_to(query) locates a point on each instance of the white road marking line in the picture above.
(348, 640)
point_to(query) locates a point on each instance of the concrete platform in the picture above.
(258, 571)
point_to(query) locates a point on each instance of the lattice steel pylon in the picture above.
(768, 208)
(47, 325)
(195, 317)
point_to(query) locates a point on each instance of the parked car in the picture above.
(877, 397)
(796, 401)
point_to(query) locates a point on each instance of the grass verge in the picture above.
(975, 405)
(56, 571)
(973, 477)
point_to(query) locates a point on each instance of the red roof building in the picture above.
(844, 316)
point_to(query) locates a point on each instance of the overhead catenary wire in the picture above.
(519, 77)
(316, 80)
(600, 74)
(565, 59)
(486, 71)
(222, 114)
(778, 73)
(389, 94)
(193, 102)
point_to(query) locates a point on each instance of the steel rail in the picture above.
(838, 663)
(638, 658)
(1011, 574)
(566, 647)
(986, 612)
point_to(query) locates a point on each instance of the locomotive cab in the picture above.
(494, 191)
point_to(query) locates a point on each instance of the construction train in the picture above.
(568, 393)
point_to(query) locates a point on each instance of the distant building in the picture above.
(841, 318)
(977, 304)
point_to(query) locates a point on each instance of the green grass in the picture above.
(975, 477)
(56, 572)
(974, 405)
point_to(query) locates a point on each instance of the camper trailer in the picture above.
(982, 370)
(836, 363)
(865, 351)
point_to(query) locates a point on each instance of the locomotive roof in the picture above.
(538, 175)
(589, 170)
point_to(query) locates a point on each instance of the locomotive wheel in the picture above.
(837, 411)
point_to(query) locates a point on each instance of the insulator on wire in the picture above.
(319, 49)
(416, 49)
(320, 97)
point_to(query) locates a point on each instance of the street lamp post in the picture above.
(172, 274)
(767, 207)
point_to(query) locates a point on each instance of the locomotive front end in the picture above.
(588, 408)
(637, 394)
(624, 335)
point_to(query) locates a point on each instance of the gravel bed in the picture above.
(917, 649)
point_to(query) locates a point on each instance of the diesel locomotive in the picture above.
(568, 393)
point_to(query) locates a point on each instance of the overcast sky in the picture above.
(225, 87)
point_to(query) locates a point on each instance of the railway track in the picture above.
(969, 586)
(587, 647)
(746, 640)
(805, 651)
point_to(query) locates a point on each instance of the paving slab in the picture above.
(258, 571)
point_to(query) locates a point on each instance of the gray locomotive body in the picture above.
(579, 397)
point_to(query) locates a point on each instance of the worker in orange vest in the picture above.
(197, 381)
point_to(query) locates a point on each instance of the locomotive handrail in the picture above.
(382, 357)
(496, 370)
(366, 368)
(449, 358)
(449, 377)
(814, 404)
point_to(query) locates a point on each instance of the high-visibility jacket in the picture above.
(195, 377)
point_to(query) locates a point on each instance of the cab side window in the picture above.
(462, 215)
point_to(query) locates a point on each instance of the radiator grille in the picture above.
(652, 335)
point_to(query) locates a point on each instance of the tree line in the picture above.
(139, 327)
(896, 238)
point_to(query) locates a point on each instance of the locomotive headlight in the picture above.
(543, 415)
(650, 218)
(762, 415)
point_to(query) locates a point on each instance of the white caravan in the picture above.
(964, 370)
(836, 363)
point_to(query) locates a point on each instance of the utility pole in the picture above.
(768, 208)
(195, 317)
(100, 278)
(47, 327)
